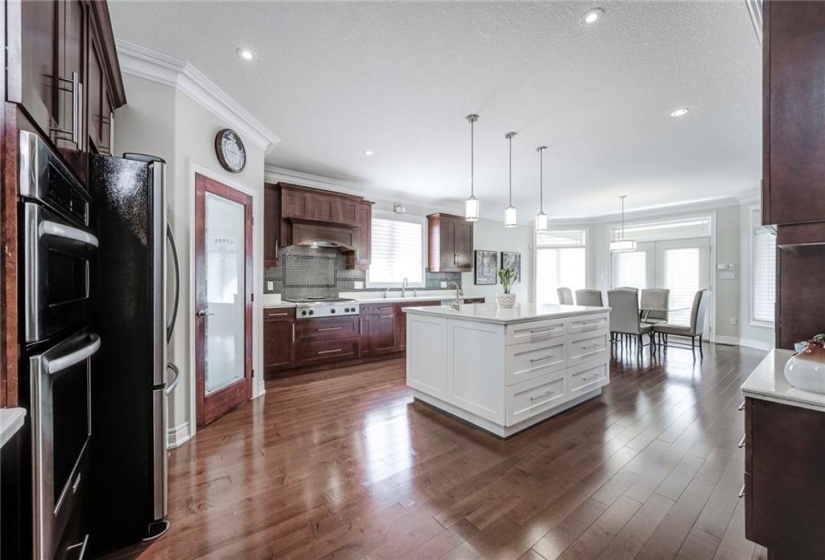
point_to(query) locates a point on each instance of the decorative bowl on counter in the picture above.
(806, 370)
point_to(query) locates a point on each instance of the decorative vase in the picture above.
(506, 301)
(806, 370)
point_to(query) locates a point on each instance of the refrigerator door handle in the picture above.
(176, 380)
(171, 326)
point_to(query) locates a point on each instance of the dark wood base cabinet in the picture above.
(785, 479)
(293, 347)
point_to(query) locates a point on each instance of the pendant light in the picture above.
(472, 206)
(510, 216)
(622, 244)
(541, 217)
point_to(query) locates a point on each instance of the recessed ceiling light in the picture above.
(679, 113)
(590, 17)
(246, 54)
(369, 153)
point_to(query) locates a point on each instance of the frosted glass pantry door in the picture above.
(225, 281)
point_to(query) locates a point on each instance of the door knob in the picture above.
(202, 313)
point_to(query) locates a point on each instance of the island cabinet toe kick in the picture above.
(505, 377)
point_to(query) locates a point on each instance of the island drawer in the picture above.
(535, 396)
(586, 377)
(534, 359)
(588, 323)
(535, 331)
(587, 347)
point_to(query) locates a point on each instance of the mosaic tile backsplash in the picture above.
(322, 272)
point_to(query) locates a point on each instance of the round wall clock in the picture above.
(230, 150)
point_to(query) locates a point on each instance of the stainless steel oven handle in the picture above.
(82, 546)
(67, 232)
(59, 364)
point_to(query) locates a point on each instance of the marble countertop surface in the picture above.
(768, 382)
(11, 420)
(521, 313)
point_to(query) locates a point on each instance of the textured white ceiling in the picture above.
(333, 79)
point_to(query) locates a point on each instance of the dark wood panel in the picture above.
(785, 468)
(450, 242)
(326, 328)
(272, 224)
(794, 120)
(279, 343)
(800, 275)
(379, 330)
(309, 352)
(343, 463)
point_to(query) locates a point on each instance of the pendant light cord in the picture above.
(541, 180)
(472, 161)
(510, 138)
(622, 235)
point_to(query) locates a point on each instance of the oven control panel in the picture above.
(313, 310)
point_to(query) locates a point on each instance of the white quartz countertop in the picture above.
(11, 420)
(269, 303)
(768, 382)
(521, 313)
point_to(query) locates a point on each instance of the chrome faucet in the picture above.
(404, 284)
(386, 292)
(457, 303)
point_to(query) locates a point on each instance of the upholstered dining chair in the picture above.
(592, 298)
(565, 296)
(655, 305)
(624, 316)
(695, 330)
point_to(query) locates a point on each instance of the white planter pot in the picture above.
(806, 370)
(506, 301)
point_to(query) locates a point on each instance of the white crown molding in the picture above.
(170, 71)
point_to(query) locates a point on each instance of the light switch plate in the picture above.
(728, 276)
(443, 284)
(270, 285)
(358, 285)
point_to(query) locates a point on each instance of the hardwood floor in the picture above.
(344, 465)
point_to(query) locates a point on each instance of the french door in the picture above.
(681, 266)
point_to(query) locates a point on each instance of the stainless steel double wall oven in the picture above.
(59, 251)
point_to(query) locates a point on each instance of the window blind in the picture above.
(559, 267)
(630, 269)
(763, 270)
(682, 279)
(397, 252)
(663, 231)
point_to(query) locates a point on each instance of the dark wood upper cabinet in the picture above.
(32, 81)
(287, 207)
(793, 112)
(450, 241)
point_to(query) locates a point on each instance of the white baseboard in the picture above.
(178, 435)
(261, 389)
(746, 342)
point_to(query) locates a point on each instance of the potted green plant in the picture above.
(506, 276)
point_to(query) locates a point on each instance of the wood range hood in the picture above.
(316, 233)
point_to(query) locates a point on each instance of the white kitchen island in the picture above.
(505, 370)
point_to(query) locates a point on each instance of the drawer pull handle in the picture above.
(330, 351)
(325, 329)
(277, 314)
(589, 377)
(534, 360)
(592, 322)
(293, 332)
(590, 346)
(383, 308)
(742, 492)
(741, 407)
(537, 397)
(385, 316)
(548, 329)
(741, 442)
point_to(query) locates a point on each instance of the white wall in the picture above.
(491, 235)
(160, 120)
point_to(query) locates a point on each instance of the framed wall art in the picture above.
(485, 268)
(513, 260)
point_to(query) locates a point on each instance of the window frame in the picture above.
(753, 223)
(393, 217)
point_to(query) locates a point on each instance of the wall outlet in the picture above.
(733, 321)
(443, 284)
(358, 285)
(728, 275)
(270, 285)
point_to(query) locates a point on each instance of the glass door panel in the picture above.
(225, 298)
(683, 267)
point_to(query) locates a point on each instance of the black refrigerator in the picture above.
(129, 396)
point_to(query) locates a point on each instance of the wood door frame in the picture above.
(240, 391)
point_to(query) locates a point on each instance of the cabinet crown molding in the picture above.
(170, 71)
